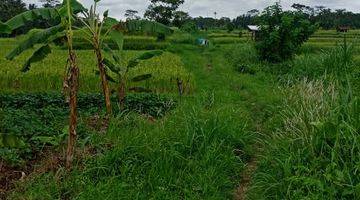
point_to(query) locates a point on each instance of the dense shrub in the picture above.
(189, 27)
(244, 58)
(281, 33)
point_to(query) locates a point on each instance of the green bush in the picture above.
(189, 27)
(281, 33)
(244, 58)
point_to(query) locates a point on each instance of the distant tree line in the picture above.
(11, 8)
(326, 18)
(167, 12)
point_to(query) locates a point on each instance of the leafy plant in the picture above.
(122, 71)
(97, 31)
(315, 153)
(281, 33)
(63, 28)
(93, 33)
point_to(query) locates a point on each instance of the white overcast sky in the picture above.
(229, 8)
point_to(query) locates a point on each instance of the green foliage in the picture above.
(281, 34)
(38, 55)
(162, 11)
(10, 8)
(189, 27)
(146, 26)
(315, 154)
(10, 141)
(230, 27)
(44, 37)
(30, 122)
(192, 152)
(244, 58)
(43, 14)
(130, 43)
(46, 75)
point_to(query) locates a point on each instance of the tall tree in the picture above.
(180, 18)
(131, 14)
(11, 8)
(50, 3)
(162, 11)
(32, 6)
(282, 33)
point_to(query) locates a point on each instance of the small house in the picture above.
(254, 29)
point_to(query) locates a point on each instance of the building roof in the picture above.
(253, 27)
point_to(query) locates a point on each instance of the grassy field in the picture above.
(246, 129)
(50, 72)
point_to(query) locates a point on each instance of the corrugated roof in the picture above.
(253, 27)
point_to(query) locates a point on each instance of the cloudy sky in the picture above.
(230, 8)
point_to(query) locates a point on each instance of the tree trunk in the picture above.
(122, 94)
(73, 86)
(104, 81)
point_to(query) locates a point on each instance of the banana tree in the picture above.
(62, 17)
(97, 30)
(122, 72)
(94, 27)
(113, 61)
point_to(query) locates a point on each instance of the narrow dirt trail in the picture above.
(246, 176)
(246, 94)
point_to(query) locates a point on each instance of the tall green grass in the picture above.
(195, 153)
(316, 153)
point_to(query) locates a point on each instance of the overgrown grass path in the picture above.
(201, 150)
(252, 98)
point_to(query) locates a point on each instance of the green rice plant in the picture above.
(228, 40)
(47, 75)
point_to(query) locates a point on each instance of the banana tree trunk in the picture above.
(73, 87)
(104, 81)
(122, 94)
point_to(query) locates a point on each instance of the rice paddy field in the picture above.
(242, 129)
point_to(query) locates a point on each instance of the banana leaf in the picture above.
(76, 8)
(118, 38)
(141, 78)
(111, 53)
(111, 66)
(36, 38)
(4, 28)
(139, 89)
(108, 77)
(145, 56)
(37, 56)
(24, 18)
